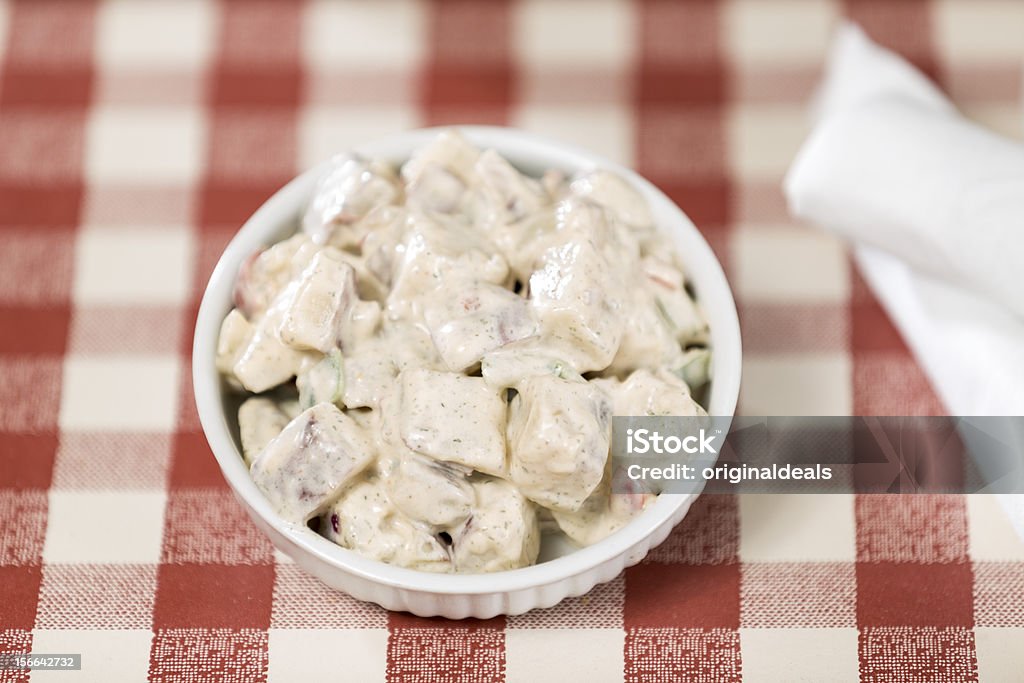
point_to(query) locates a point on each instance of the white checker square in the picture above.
(797, 384)
(980, 31)
(298, 654)
(781, 264)
(597, 33)
(812, 655)
(797, 527)
(167, 34)
(379, 34)
(107, 655)
(564, 655)
(998, 658)
(604, 129)
(991, 533)
(141, 145)
(325, 131)
(133, 266)
(779, 32)
(763, 139)
(119, 393)
(104, 526)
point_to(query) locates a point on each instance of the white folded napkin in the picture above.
(892, 165)
(935, 208)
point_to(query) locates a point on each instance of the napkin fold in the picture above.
(891, 164)
(934, 206)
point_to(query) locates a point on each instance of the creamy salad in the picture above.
(432, 362)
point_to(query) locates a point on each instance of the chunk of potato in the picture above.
(303, 469)
(365, 520)
(452, 417)
(260, 419)
(558, 435)
(476, 318)
(502, 533)
(579, 298)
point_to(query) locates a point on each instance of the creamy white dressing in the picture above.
(458, 336)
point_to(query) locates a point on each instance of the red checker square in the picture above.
(448, 654)
(35, 267)
(720, 239)
(26, 460)
(249, 147)
(479, 85)
(683, 596)
(682, 144)
(50, 33)
(912, 594)
(188, 415)
(17, 640)
(34, 330)
(192, 462)
(700, 84)
(29, 393)
(261, 32)
(799, 595)
(871, 327)
(41, 145)
(96, 596)
(904, 26)
(471, 32)
(187, 318)
(211, 245)
(21, 594)
(38, 206)
(229, 204)
(679, 33)
(213, 596)
(274, 86)
(919, 528)
(656, 655)
(22, 526)
(210, 527)
(892, 384)
(709, 534)
(208, 654)
(999, 594)
(707, 201)
(924, 655)
(70, 88)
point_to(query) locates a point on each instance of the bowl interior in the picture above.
(278, 218)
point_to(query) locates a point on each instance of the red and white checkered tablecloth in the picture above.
(135, 137)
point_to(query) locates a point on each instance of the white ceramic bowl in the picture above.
(564, 571)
